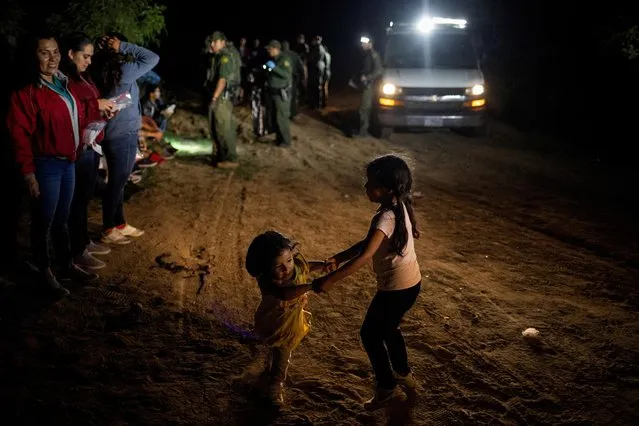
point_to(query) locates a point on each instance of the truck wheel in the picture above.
(386, 132)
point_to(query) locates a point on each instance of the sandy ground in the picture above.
(511, 238)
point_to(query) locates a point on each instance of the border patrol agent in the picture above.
(225, 83)
(298, 76)
(279, 80)
(371, 71)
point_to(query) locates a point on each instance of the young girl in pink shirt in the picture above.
(390, 245)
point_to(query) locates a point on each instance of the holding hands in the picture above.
(323, 284)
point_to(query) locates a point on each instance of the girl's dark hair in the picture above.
(76, 42)
(392, 173)
(150, 88)
(263, 251)
(107, 66)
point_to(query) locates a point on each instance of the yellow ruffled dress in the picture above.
(285, 323)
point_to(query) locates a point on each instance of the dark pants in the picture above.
(324, 94)
(223, 130)
(278, 361)
(294, 97)
(56, 179)
(381, 336)
(365, 108)
(282, 109)
(86, 173)
(313, 90)
(120, 158)
(162, 122)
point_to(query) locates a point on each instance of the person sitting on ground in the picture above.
(154, 107)
(281, 322)
(153, 138)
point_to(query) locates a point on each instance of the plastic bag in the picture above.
(122, 101)
(91, 134)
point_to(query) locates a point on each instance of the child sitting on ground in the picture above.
(281, 322)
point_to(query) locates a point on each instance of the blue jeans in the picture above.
(86, 173)
(56, 179)
(120, 158)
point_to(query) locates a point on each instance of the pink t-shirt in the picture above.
(394, 272)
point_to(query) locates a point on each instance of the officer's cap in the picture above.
(218, 35)
(274, 44)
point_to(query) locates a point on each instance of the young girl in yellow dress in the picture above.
(281, 322)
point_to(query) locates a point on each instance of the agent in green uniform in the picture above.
(279, 80)
(370, 72)
(237, 64)
(298, 76)
(225, 81)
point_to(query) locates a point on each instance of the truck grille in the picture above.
(436, 91)
(434, 107)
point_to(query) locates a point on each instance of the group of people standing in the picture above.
(49, 121)
(275, 80)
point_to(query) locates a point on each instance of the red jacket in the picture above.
(41, 124)
(88, 94)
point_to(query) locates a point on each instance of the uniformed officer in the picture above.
(225, 79)
(237, 65)
(318, 62)
(302, 49)
(298, 76)
(370, 72)
(279, 80)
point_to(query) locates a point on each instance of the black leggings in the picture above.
(381, 336)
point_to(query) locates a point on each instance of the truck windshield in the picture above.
(435, 50)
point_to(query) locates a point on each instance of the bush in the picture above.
(142, 21)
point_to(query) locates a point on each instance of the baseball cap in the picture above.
(218, 35)
(274, 44)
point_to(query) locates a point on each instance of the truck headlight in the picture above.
(477, 90)
(389, 89)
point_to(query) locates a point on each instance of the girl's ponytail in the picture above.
(392, 173)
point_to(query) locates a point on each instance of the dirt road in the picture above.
(511, 239)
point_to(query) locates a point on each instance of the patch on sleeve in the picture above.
(287, 64)
(225, 59)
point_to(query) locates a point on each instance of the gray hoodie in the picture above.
(128, 121)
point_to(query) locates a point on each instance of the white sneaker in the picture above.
(130, 231)
(114, 236)
(86, 261)
(95, 248)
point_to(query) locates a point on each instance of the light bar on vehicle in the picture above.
(428, 24)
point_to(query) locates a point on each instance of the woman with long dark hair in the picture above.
(77, 55)
(120, 64)
(44, 121)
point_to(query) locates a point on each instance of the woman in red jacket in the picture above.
(44, 121)
(77, 54)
